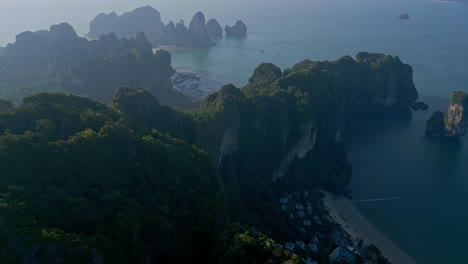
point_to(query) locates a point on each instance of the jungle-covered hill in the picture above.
(135, 181)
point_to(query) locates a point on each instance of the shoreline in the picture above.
(358, 226)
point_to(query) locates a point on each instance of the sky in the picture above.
(17, 16)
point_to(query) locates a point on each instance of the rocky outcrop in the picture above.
(214, 29)
(239, 30)
(435, 125)
(146, 19)
(419, 106)
(404, 16)
(229, 143)
(198, 32)
(369, 85)
(389, 80)
(63, 31)
(182, 36)
(454, 123)
(305, 144)
(456, 116)
(59, 60)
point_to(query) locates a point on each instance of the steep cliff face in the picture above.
(305, 144)
(368, 85)
(146, 19)
(214, 29)
(456, 116)
(197, 28)
(454, 122)
(391, 79)
(239, 30)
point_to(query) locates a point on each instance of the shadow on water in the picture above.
(371, 128)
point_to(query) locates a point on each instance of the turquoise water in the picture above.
(434, 41)
(394, 158)
(390, 157)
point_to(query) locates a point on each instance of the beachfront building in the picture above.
(342, 255)
(301, 244)
(315, 240)
(307, 223)
(284, 200)
(299, 207)
(301, 214)
(317, 220)
(313, 248)
(290, 246)
(339, 238)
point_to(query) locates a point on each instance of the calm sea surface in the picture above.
(390, 157)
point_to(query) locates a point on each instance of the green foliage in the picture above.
(103, 187)
(240, 245)
(136, 181)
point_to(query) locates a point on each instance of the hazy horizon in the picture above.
(41, 14)
(44, 13)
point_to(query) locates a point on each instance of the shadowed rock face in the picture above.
(214, 29)
(63, 31)
(454, 122)
(239, 30)
(435, 125)
(199, 34)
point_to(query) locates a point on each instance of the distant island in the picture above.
(404, 16)
(199, 34)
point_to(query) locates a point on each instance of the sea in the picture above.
(390, 157)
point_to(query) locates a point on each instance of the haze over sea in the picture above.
(390, 157)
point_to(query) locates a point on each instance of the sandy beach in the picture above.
(359, 227)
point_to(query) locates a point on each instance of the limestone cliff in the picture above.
(239, 30)
(214, 29)
(199, 34)
(146, 19)
(454, 122)
(456, 116)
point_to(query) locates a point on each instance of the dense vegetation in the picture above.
(59, 60)
(137, 181)
(80, 182)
